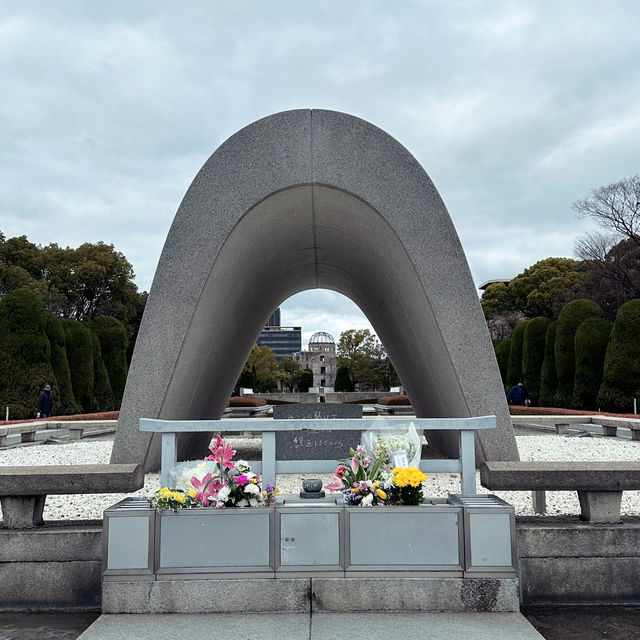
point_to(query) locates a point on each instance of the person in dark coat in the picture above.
(517, 394)
(45, 402)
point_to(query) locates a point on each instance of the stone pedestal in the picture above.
(600, 506)
(22, 512)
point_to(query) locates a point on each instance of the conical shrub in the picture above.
(621, 375)
(592, 338)
(548, 376)
(25, 353)
(571, 317)
(65, 402)
(533, 356)
(514, 368)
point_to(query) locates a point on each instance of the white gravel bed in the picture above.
(535, 447)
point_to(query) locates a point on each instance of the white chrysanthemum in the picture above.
(253, 503)
(223, 494)
(251, 488)
(367, 501)
(242, 503)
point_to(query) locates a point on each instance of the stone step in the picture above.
(319, 626)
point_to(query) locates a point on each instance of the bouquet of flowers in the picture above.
(405, 486)
(357, 480)
(394, 448)
(173, 499)
(228, 485)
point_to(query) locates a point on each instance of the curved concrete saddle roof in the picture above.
(298, 200)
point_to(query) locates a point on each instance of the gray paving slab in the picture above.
(423, 626)
(319, 626)
(248, 626)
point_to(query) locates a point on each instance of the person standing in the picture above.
(45, 402)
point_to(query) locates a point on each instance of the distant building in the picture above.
(488, 283)
(283, 341)
(321, 358)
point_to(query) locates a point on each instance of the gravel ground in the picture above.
(532, 447)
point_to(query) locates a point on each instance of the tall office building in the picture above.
(283, 341)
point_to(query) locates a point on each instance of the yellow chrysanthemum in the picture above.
(179, 497)
(192, 493)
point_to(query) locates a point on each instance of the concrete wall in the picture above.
(53, 567)
(562, 562)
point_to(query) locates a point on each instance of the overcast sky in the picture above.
(514, 109)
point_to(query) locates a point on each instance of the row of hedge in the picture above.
(581, 360)
(86, 364)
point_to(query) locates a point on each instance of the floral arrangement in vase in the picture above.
(363, 484)
(231, 484)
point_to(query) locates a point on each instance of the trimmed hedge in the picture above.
(25, 354)
(102, 391)
(394, 401)
(502, 349)
(113, 347)
(64, 400)
(621, 375)
(514, 367)
(571, 317)
(590, 344)
(343, 380)
(533, 356)
(79, 343)
(548, 375)
(244, 401)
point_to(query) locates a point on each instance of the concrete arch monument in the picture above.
(298, 200)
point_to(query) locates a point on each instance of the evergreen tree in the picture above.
(306, 380)
(548, 376)
(514, 367)
(25, 354)
(502, 349)
(571, 317)
(621, 376)
(592, 338)
(102, 391)
(533, 356)
(343, 380)
(65, 402)
(113, 347)
(79, 343)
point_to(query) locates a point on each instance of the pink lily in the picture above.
(354, 464)
(336, 485)
(222, 453)
(206, 488)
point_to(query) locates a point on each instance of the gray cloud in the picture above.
(514, 110)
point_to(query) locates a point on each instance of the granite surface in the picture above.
(298, 200)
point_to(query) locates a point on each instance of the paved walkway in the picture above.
(320, 626)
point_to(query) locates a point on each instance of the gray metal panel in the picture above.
(228, 538)
(403, 536)
(128, 543)
(310, 539)
(490, 539)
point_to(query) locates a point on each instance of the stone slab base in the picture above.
(299, 595)
(320, 626)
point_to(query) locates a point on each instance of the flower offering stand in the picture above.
(458, 553)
